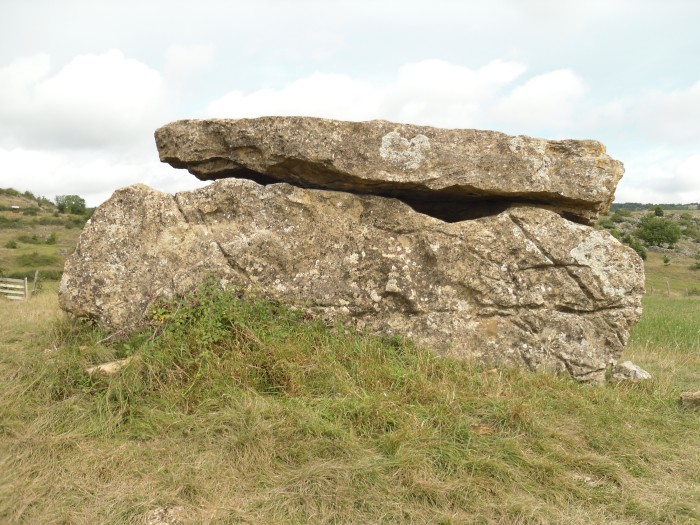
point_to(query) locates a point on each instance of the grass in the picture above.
(676, 277)
(248, 412)
(39, 240)
(244, 411)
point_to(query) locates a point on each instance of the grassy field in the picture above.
(248, 413)
(676, 277)
(36, 237)
(237, 411)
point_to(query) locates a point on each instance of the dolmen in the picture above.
(475, 244)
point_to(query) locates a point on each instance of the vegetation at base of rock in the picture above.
(241, 410)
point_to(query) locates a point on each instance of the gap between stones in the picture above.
(450, 204)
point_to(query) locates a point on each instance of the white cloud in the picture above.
(544, 101)
(660, 176)
(435, 92)
(431, 92)
(87, 128)
(93, 174)
(672, 116)
(182, 61)
(321, 95)
(93, 101)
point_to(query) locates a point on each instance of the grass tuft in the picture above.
(243, 410)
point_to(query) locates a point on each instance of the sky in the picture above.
(84, 84)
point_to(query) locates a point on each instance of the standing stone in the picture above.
(522, 286)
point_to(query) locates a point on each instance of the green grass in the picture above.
(243, 411)
(676, 278)
(38, 240)
(249, 412)
(667, 341)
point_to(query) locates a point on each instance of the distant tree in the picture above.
(657, 231)
(71, 204)
(658, 211)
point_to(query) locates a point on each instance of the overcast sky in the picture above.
(84, 84)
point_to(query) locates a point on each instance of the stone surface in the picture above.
(110, 368)
(691, 400)
(522, 287)
(628, 371)
(451, 173)
(171, 515)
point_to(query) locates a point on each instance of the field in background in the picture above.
(251, 414)
(35, 236)
(675, 277)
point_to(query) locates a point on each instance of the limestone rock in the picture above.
(456, 172)
(522, 287)
(691, 400)
(109, 369)
(170, 515)
(628, 371)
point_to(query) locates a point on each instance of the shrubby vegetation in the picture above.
(658, 231)
(638, 206)
(654, 228)
(70, 204)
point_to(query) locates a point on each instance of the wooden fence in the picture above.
(17, 289)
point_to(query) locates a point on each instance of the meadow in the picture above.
(244, 411)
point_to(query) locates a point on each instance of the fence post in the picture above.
(36, 278)
(26, 289)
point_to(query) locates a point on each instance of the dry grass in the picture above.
(299, 423)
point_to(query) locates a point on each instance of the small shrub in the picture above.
(29, 239)
(51, 275)
(12, 245)
(615, 233)
(667, 260)
(11, 223)
(36, 259)
(52, 239)
(607, 223)
(621, 215)
(33, 212)
(636, 245)
(50, 221)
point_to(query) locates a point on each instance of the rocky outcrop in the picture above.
(628, 371)
(522, 286)
(451, 174)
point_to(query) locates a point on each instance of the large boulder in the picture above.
(522, 286)
(472, 171)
